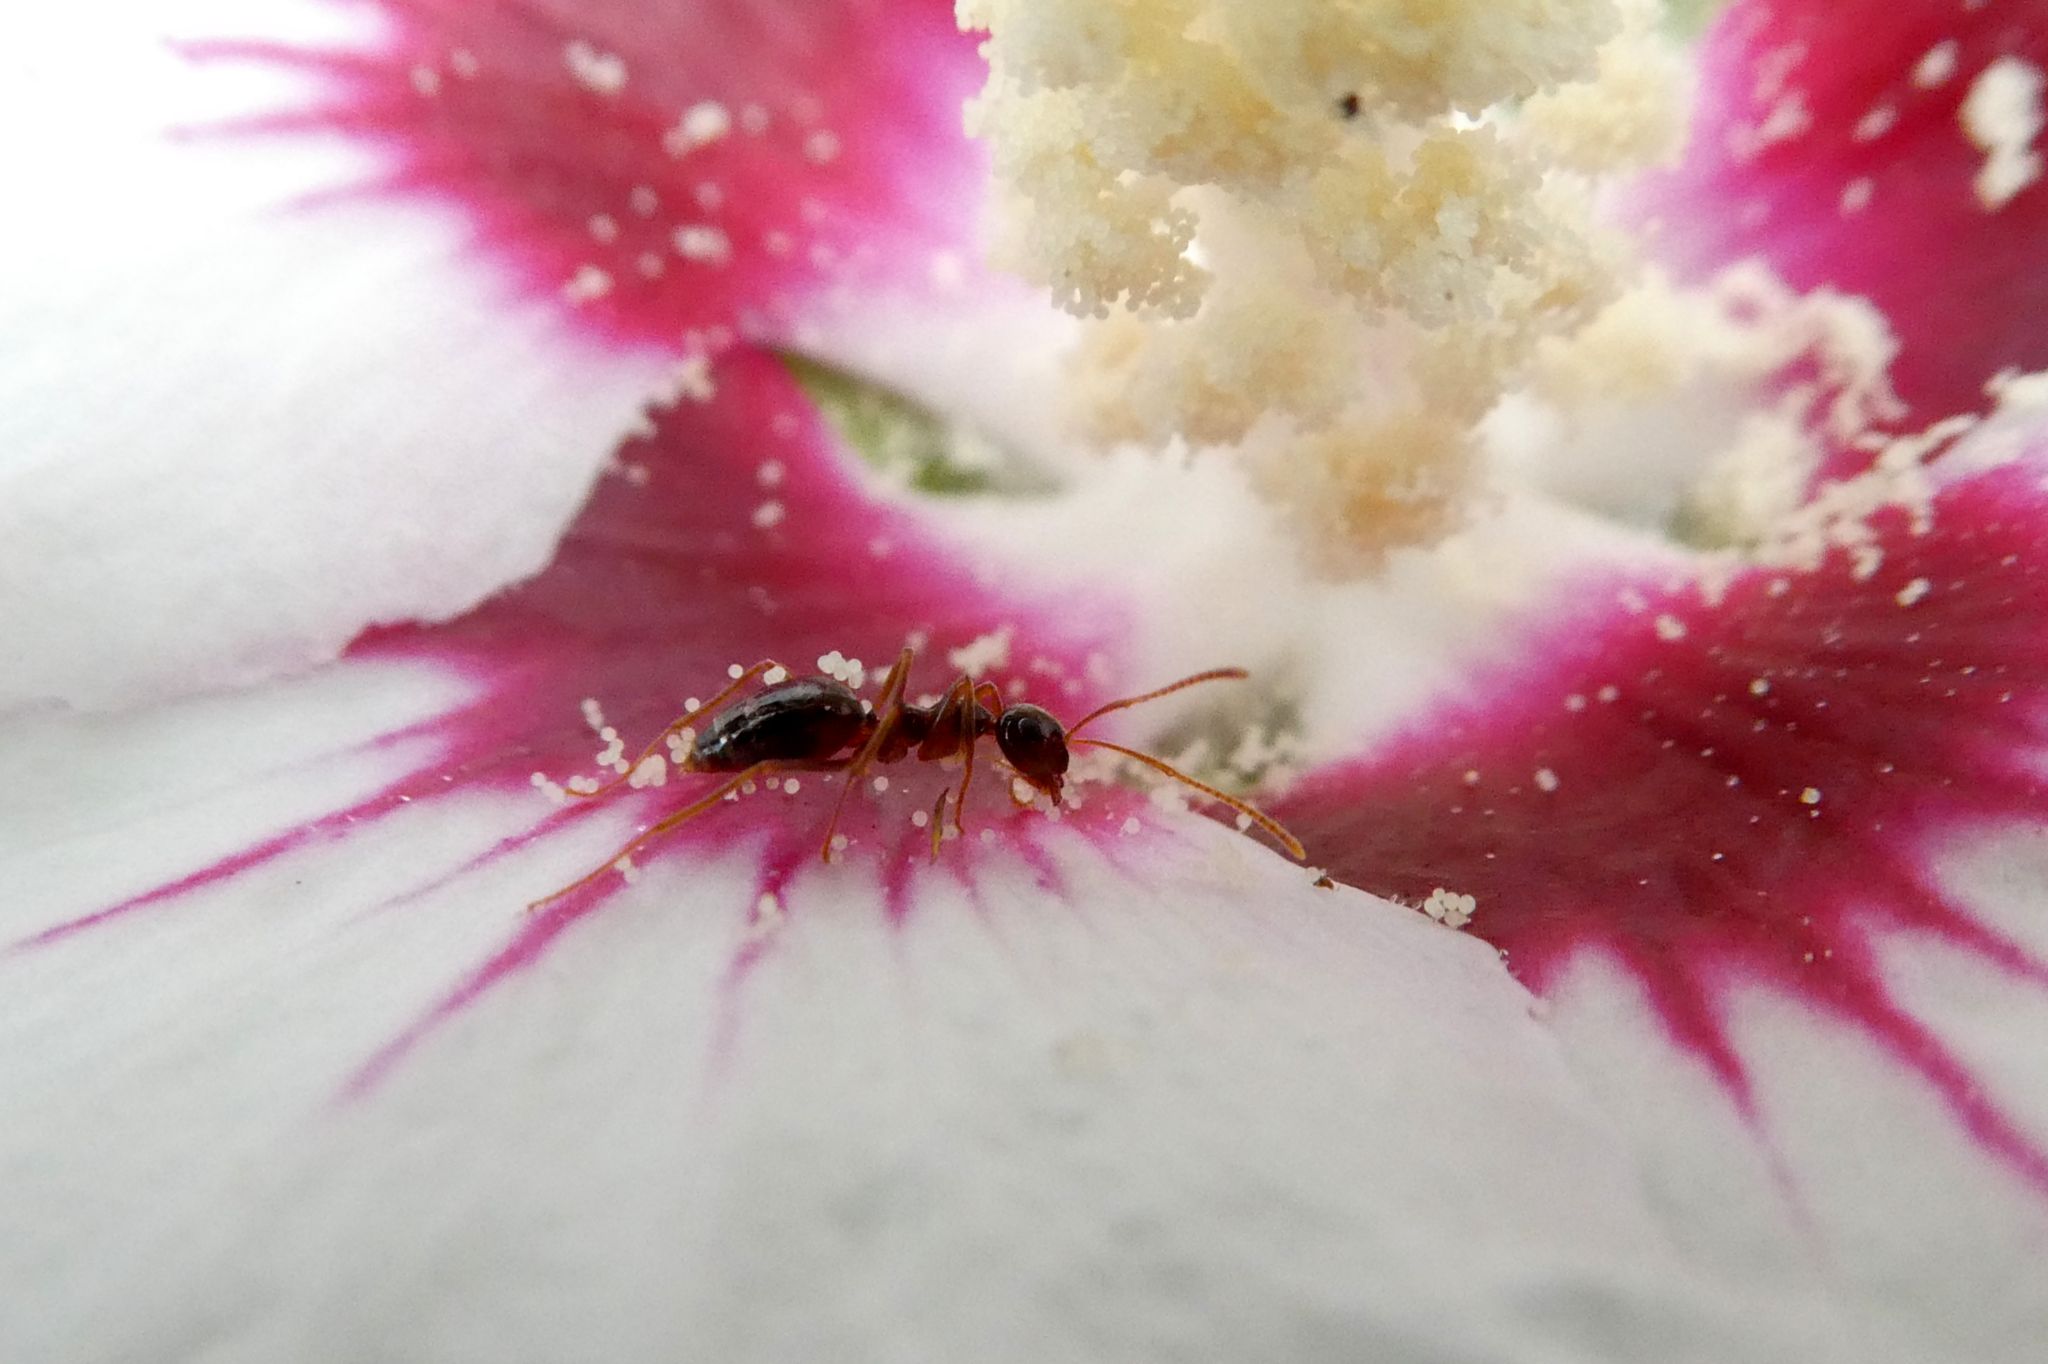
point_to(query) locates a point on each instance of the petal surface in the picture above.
(1134, 1103)
(1854, 147)
(1124, 1084)
(1719, 832)
(295, 290)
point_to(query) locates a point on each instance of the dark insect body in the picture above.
(817, 724)
(808, 719)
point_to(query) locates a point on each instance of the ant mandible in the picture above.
(810, 724)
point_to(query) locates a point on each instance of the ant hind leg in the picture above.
(669, 823)
(678, 725)
(888, 710)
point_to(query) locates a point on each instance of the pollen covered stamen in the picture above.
(1328, 237)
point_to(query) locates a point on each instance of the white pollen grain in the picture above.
(880, 784)
(1876, 123)
(588, 284)
(770, 474)
(702, 244)
(1546, 780)
(464, 64)
(1449, 908)
(981, 655)
(1670, 628)
(920, 818)
(1857, 193)
(2002, 115)
(700, 125)
(1936, 65)
(1810, 796)
(768, 515)
(426, 81)
(775, 675)
(602, 73)
(822, 147)
(1575, 703)
(1913, 592)
(1759, 686)
(644, 201)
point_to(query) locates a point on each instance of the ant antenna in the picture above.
(1213, 675)
(1245, 808)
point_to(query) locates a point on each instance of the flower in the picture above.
(296, 1074)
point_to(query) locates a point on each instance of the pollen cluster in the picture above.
(1326, 235)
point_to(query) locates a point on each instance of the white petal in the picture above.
(1852, 1190)
(234, 430)
(1188, 1105)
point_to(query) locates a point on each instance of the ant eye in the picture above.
(1033, 741)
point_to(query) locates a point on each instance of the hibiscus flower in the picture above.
(414, 406)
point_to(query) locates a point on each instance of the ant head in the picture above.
(1036, 745)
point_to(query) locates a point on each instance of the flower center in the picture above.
(1328, 239)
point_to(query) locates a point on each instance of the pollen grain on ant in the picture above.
(819, 724)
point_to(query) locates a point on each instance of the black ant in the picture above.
(810, 724)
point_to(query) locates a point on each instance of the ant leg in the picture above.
(968, 742)
(953, 731)
(888, 710)
(671, 822)
(939, 821)
(1213, 675)
(1245, 808)
(681, 723)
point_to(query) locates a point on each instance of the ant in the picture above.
(810, 724)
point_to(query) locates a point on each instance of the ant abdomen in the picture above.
(807, 720)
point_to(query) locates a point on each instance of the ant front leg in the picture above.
(681, 723)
